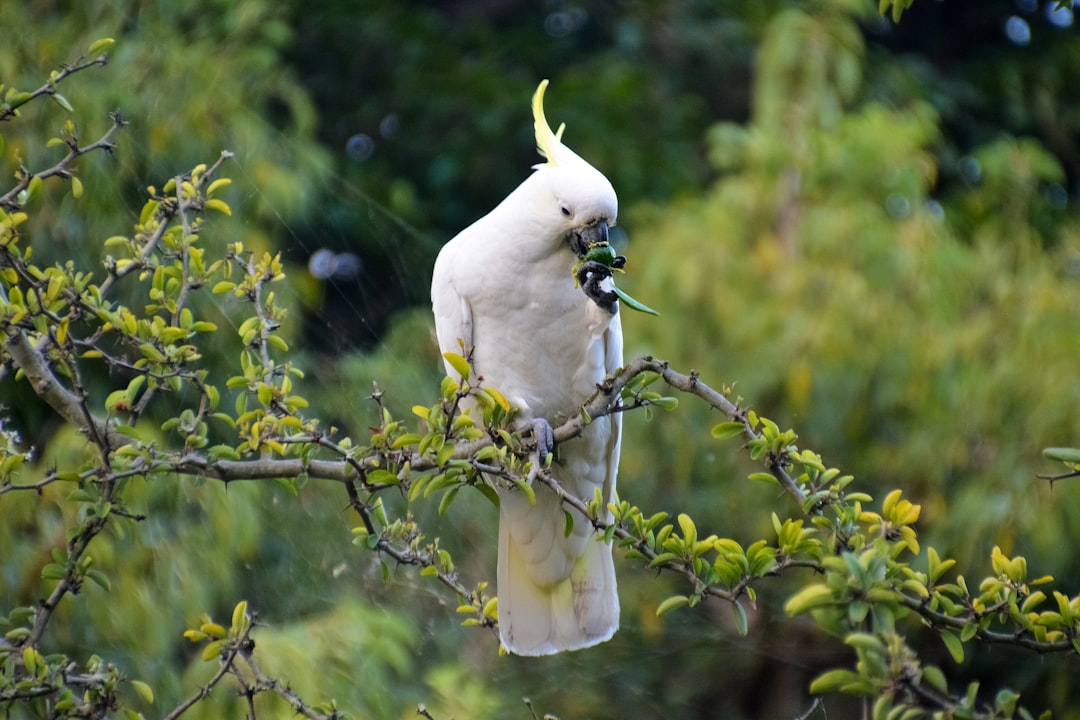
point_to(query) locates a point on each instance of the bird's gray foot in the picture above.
(545, 441)
(544, 436)
(589, 275)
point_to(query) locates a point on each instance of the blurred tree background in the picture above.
(867, 229)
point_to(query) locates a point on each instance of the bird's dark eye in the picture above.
(566, 211)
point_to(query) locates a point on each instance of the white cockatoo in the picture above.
(504, 290)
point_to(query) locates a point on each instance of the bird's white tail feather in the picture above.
(542, 618)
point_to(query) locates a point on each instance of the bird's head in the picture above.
(575, 197)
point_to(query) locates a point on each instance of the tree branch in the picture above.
(48, 387)
(9, 200)
(49, 88)
(940, 620)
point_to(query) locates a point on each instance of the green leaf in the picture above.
(663, 559)
(63, 102)
(34, 186)
(222, 452)
(96, 47)
(833, 681)
(489, 492)
(857, 611)
(689, 529)
(381, 477)
(568, 526)
(144, 690)
(265, 393)
(30, 659)
(53, 571)
(635, 304)
(954, 646)
(933, 675)
(444, 454)
(100, 578)
(808, 599)
(447, 499)
(665, 403)
(726, 430)
(1005, 702)
(1063, 454)
(239, 617)
(151, 353)
(675, 601)
(15, 98)
(866, 642)
(527, 488)
(411, 439)
(741, 623)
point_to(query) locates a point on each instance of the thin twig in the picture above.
(49, 88)
(9, 200)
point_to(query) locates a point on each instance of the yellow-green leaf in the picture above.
(144, 691)
(219, 183)
(675, 601)
(30, 658)
(459, 363)
(499, 398)
(808, 599)
(219, 205)
(833, 681)
(213, 650)
(278, 342)
(727, 430)
(63, 102)
(491, 608)
(213, 630)
(239, 616)
(151, 353)
(100, 46)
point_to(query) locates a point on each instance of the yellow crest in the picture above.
(545, 139)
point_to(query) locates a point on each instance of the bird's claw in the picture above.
(589, 276)
(544, 436)
(545, 441)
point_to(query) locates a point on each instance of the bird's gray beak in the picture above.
(582, 238)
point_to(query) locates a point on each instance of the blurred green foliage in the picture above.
(868, 231)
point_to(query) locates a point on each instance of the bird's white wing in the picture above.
(613, 360)
(557, 591)
(453, 314)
